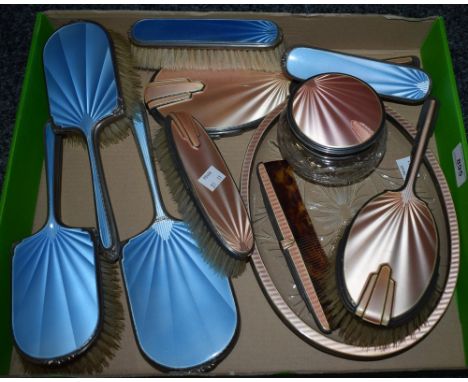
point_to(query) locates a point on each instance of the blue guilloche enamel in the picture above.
(186, 32)
(55, 306)
(183, 311)
(82, 90)
(388, 80)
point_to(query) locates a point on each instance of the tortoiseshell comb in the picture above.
(298, 240)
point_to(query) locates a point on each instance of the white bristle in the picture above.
(268, 60)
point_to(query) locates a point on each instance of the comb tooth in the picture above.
(317, 266)
(313, 243)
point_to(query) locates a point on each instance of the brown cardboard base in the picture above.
(265, 344)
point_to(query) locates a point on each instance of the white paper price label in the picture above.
(459, 164)
(212, 178)
(403, 165)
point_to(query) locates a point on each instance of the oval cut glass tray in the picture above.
(330, 209)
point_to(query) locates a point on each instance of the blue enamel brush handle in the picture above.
(206, 33)
(50, 172)
(103, 212)
(400, 83)
(141, 135)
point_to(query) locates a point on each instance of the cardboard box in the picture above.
(265, 344)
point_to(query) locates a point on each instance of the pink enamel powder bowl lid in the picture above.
(336, 114)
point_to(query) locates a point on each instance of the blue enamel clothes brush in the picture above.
(399, 83)
(57, 300)
(85, 96)
(207, 44)
(184, 313)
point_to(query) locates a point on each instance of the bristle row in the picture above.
(268, 60)
(115, 132)
(94, 359)
(130, 84)
(355, 331)
(130, 91)
(213, 253)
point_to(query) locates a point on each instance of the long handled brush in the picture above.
(169, 285)
(89, 95)
(207, 44)
(66, 318)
